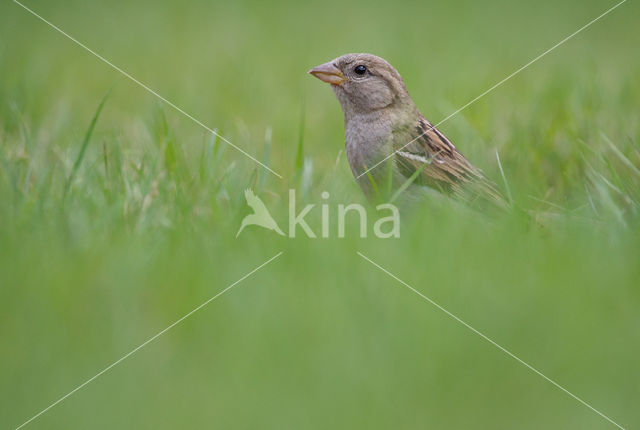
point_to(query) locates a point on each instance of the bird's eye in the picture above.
(360, 70)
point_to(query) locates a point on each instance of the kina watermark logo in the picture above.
(385, 226)
(260, 216)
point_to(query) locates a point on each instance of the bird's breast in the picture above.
(367, 142)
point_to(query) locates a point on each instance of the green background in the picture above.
(95, 260)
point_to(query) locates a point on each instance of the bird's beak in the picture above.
(328, 73)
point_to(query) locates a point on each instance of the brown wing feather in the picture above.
(446, 168)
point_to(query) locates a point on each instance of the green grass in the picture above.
(119, 217)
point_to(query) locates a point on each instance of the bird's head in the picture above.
(364, 83)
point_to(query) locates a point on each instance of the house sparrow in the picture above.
(390, 145)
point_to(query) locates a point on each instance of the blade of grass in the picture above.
(299, 162)
(10, 174)
(85, 143)
(215, 143)
(620, 155)
(265, 157)
(306, 176)
(209, 156)
(390, 171)
(374, 185)
(407, 183)
(504, 178)
(105, 160)
(591, 203)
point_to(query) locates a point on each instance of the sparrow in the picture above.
(390, 145)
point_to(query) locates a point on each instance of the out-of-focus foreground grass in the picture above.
(99, 255)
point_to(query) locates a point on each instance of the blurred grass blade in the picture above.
(504, 179)
(9, 173)
(299, 163)
(209, 155)
(389, 189)
(590, 199)
(306, 177)
(215, 143)
(373, 183)
(85, 143)
(170, 157)
(265, 157)
(621, 156)
(406, 183)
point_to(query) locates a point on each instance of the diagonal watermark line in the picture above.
(454, 113)
(173, 105)
(151, 339)
(509, 353)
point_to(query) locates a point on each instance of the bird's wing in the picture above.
(442, 166)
